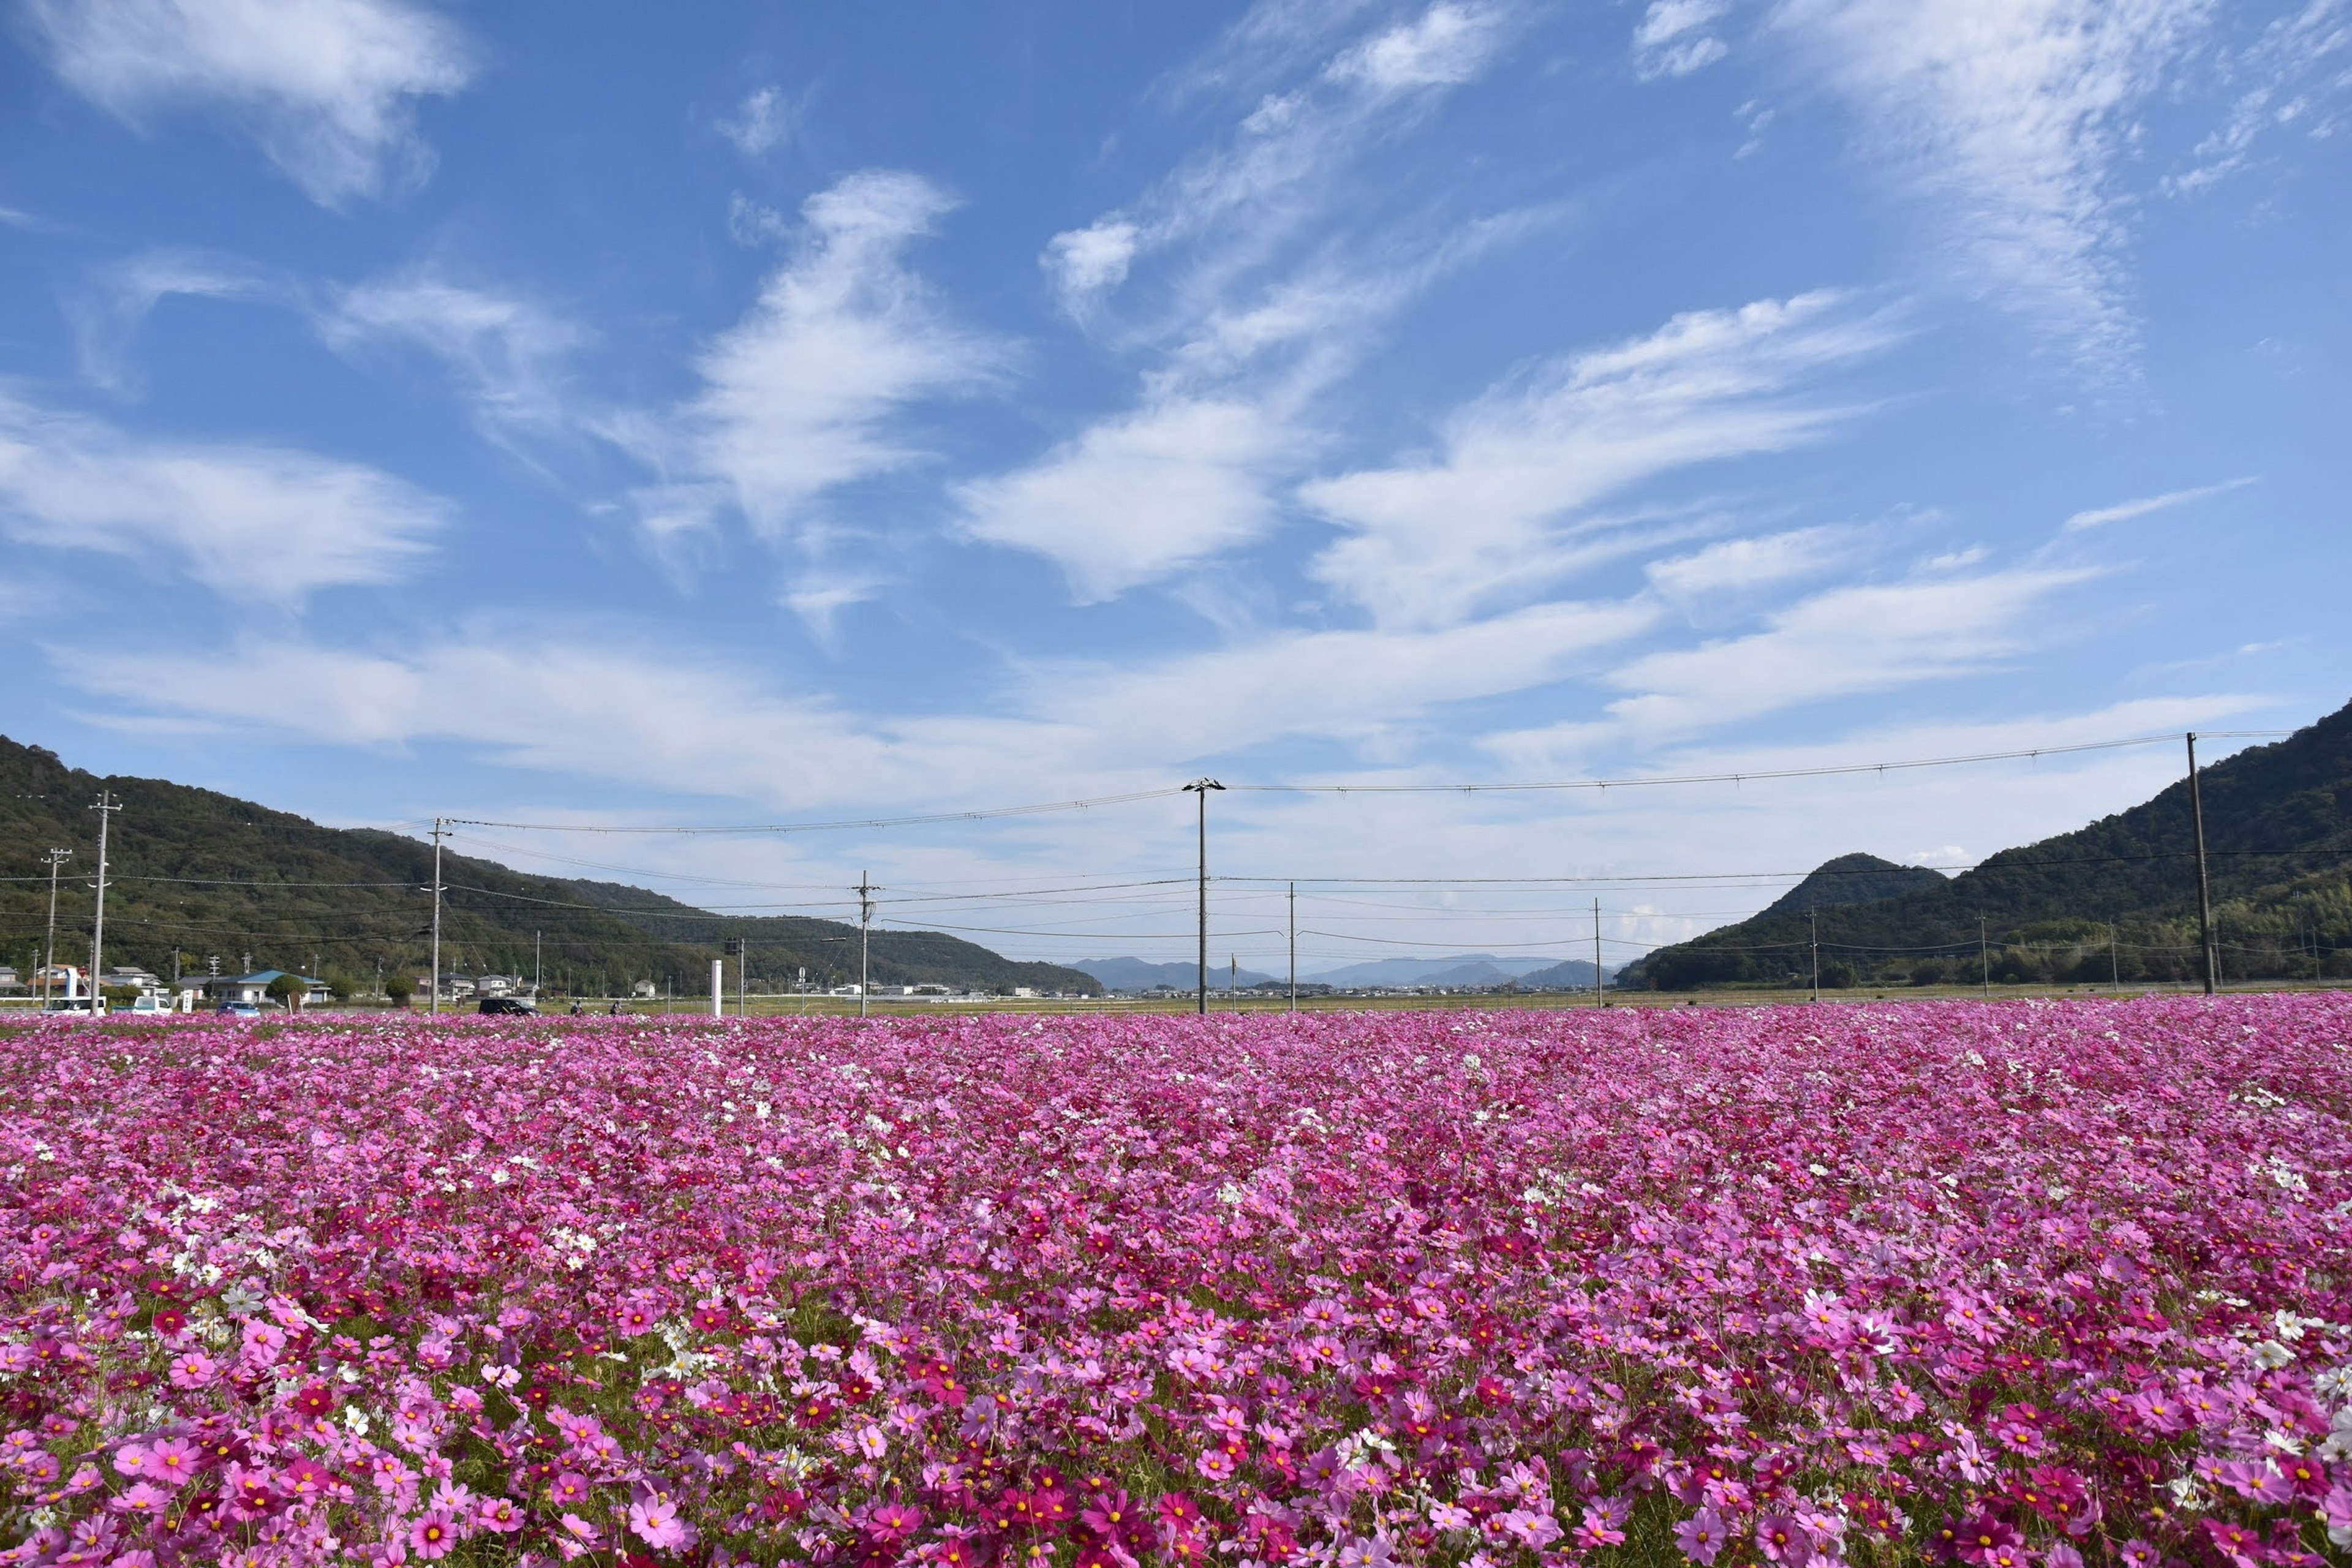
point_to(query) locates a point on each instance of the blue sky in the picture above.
(701, 413)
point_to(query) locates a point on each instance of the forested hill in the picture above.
(1853, 880)
(2278, 831)
(211, 876)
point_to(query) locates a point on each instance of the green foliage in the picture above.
(2113, 901)
(248, 874)
(287, 988)
(398, 986)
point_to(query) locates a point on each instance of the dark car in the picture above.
(508, 1007)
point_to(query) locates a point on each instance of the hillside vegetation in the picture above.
(2116, 900)
(208, 876)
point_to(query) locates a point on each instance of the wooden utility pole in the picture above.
(2204, 887)
(1201, 787)
(1815, 915)
(1600, 979)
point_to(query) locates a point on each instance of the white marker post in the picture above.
(718, 986)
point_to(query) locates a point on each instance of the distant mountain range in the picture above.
(1140, 974)
(1480, 970)
(2116, 900)
(194, 874)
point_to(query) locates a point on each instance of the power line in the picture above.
(1756, 776)
(924, 820)
(1631, 782)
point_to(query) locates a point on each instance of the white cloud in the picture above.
(1859, 638)
(1673, 40)
(1136, 497)
(506, 352)
(764, 122)
(1431, 542)
(2100, 516)
(800, 395)
(108, 315)
(1445, 45)
(326, 87)
(1738, 565)
(1282, 165)
(613, 707)
(2301, 69)
(2011, 117)
(1346, 685)
(1085, 262)
(257, 523)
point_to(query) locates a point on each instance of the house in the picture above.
(255, 987)
(125, 977)
(642, 989)
(62, 979)
(498, 985)
(8, 981)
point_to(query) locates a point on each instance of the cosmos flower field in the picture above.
(2020, 1284)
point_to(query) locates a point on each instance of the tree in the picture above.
(285, 988)
(341, 987)
(399, 987)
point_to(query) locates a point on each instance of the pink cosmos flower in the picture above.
(1779, 1538)
(656, 1522)
(432, 1536)
(1701, 1537)
(142, 1498)
(194, 1370)
(500, 1514)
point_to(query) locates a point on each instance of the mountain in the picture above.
(1852, 880)
(1471, 969)
(200, 874)
(2116, 900)
(1576, 974)
(1141, 974)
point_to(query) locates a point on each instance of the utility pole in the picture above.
(106, 806)
(1600, 980)
(1816, 917)
(536, 949)
(865, 891)
(56, 858)
(2204, 890)
(2115, 965)
(735, 947)
(1201, 787)
(1294, 947)
(1234, 980)
(1984, 955)
(433, 1009)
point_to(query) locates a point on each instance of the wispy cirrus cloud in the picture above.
(1674, 36)
(766, 119)
(1745, 565)
(506, 352)
(2294, 79)
(2011, 119)
(631, 708)
(509, 354)
(1243, 331)
(1855, 639)
(801, 396)
(1498, 509)
(326, 88)
(256, 523)
(1237, 199)
(2123, 511)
